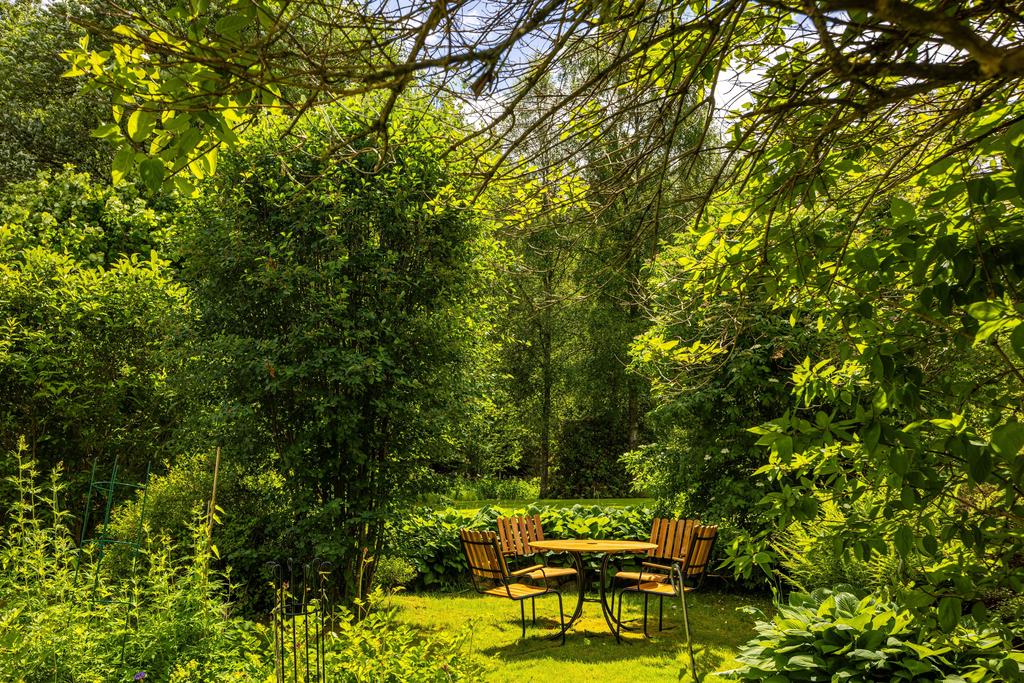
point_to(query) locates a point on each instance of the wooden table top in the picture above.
(580, 545)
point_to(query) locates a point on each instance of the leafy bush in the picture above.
(336, 304)
(85, 324)
(495, 488)
(254, 519)
(589, 464)
(381, 650)
(809, 559)
(393, 572)
(45, 120)
(701, 461)
(430, 539)
(827, 636)
(169, 618)
(54, 625)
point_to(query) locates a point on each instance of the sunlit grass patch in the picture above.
(590, 652)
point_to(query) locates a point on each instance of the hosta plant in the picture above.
(826, 636)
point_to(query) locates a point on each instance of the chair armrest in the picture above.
(653, 565)
(527, 570)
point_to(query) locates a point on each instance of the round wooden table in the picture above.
(576, 547)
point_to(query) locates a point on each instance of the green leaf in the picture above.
(184, 186)
(979, 464)
(187, 142)
(140, 125)
(108, 130)
(986, 310)
(872, 435)
(904, 540)
(901, 210)
(123, 162)
(1017, 340)
(1008, 439)
(949, 613)
(232, 24)
(152, 172)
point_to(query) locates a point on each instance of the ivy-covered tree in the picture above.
(334, 290)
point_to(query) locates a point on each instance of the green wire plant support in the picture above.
(107, 492)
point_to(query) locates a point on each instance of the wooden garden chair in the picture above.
(491, 575)
(672, 537)
(686, 575)
(516, 534)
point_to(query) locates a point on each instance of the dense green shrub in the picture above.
(495, 488)
(168, 613)
(334, 305)
(254, 517)
(381, 650)
(85, 325)
(169, 617)
(430, 539)
(702, 461)
(393, 572)
(46, 120)
(91, 222)
(828, 636)
(588, 463)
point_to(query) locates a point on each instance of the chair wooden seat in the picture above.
(672, 538)
(551, 573)
(517, 591)
(637, 576)
(661, 589)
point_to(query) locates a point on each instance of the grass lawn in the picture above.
(471, 506)
(590, 653)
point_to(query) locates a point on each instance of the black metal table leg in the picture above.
(615, 625)
(605, 610)
(581, 589)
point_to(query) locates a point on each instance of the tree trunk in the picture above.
(545, 411)
(632, 413)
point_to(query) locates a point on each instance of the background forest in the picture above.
(760, 265)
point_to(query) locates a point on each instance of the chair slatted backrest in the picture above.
(518, 532)
(698, 558)
(482, 553)
(672, 536)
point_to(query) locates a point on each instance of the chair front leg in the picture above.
(689, 641)
(645, 616)
(686, 624)
(522, 616)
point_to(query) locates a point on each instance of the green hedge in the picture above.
(430, 538)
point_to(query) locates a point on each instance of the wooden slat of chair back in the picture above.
(481, 548)
(699, 555)
(672, 536)
(518, 532)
